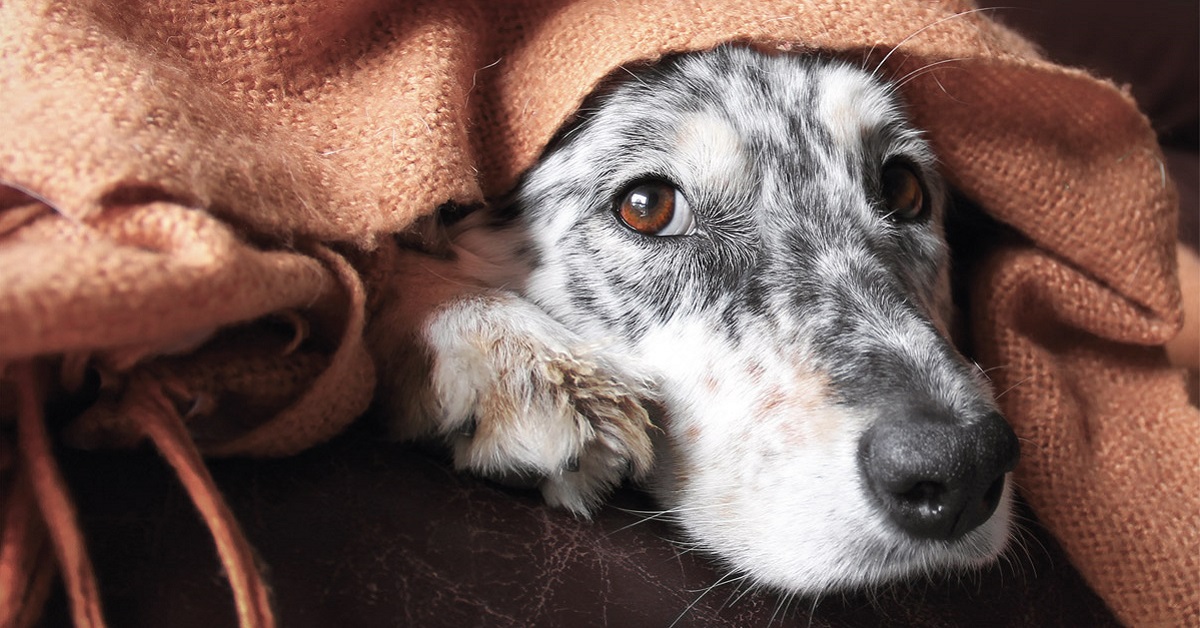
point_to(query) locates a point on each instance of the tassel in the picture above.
(54, 502)
(26, 558)
(150, 408)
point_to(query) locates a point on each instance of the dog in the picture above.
(727, 280)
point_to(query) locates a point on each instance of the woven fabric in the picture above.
(175, 177)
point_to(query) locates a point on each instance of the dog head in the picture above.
(765, 234)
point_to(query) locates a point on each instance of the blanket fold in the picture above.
(191, 196)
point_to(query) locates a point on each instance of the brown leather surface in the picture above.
(364, 533)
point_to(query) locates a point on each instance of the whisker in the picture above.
(726, 579)
(1025, 525)
(984, 371)
(898, 84)
(875, 72)
(1013, 387)
(633, 74)
(812, 610)
(784, 599)
(752, 587)
(937, 81)
(646, 516)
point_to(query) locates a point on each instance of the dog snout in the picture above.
(938, 479)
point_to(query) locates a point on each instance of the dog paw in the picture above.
(522, 400)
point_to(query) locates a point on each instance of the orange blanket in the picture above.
(194, 199)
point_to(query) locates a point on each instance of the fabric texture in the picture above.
(195, 199)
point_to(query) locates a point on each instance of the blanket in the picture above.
(196, 200)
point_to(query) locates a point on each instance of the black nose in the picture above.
(937, 478)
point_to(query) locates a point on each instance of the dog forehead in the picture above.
(850, 104)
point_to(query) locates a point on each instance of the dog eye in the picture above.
(903, 193)
(656, 208)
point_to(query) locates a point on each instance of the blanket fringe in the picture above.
(153, 411)
(57, 512)
(26, 559)
(41, 527)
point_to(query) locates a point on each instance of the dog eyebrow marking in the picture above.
(710, 150)
(851, 106)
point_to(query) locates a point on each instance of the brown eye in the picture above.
(903, 195)
(656, 208)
